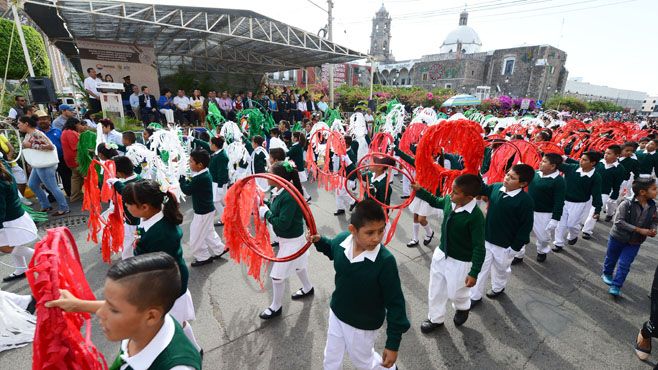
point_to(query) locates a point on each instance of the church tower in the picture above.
(380, 38)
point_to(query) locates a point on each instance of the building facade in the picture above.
(630, 99)
(536, 71)
(380, 37)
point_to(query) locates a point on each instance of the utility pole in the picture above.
(330, 5)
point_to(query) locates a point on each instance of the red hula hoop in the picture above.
(549, 147)
(412, 135)
(242, 201)
(381, 143)
(58, 341)
(511, 152)
(324, 176)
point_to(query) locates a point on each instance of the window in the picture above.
(508, 66)
(472, 73)
(402, 81)
(448, 86)
(424, 76)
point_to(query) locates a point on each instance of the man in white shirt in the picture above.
(182, 103)
(90, 87)
(322, 104)
(134, 102)
(19, 109)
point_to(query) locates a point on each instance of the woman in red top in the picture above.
(70, 137)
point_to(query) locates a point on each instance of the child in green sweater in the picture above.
(139, 291)
(125, 175)
(458, 259)
(366, 292)
(507, 229)
(296, 154)
(612, 174)
(259, 159)
(632, 167)
(582, 185)
(218, 168)
(547, 191)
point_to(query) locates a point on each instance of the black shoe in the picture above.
(275, 244)
(428, 241)
(201, 263)
(475, 302)
(517, 260)
(268, 313)
(220, 223)
(13, 277)
(201, 353)
(608, 218)
(308, 199)
(412, 243)
(32, 306)
(339, 212)
(557, 248)
(586, 236)
(427, 326)
(541, 257)
(353, 205)
(493, 295)
(572, 241)
(404, 197)
(460, 317)
(300, 294)
(219, 256)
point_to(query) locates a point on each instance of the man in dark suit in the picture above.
(148, 107)
(249, 101)
(310, 103)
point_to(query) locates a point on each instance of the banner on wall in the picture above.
(119, 60)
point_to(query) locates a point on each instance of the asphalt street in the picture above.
(555, 315)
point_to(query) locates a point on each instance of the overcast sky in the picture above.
(608, 42)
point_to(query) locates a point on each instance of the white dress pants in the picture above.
(447, 282)
(497, 264)
(542, 236)
(204, 241)
(569, 225)
(343, 199)
(359, 344)
(129, 232)
(609, 208)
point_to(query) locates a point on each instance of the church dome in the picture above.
(464, 35)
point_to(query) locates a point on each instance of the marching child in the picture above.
(642, 145)
(547, 191)
(259, 160)
(612, 175)
(205, 244)
(16, 226)
(287, 220)
(507, 229)
(125, 176)
(296, 154)
(275, 140)
(138, 294)
(343, 199)
(582, 184)
(632, 167)
(218, 168)
(634, 221)
(648, 159)
(457, 261)
(159, 231)
(276, 155)
(366, 292)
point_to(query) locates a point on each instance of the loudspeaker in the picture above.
(42, 90)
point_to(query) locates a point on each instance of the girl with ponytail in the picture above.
(16, 227)
(287, 220)
(159, 231)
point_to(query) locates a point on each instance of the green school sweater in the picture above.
(579, 188)
(166, 237)
(367, 292)
(119, 186)
(200, 188)
(405, 157)
(10, 203)
(611, 178)
(462, 233)
(647, 162)
(509, 219)
(380, 190)
(179, 352)
(548, 194)
(631, 165)
(260, 162)
(354, 146)
(218, 167)
(296, 154)
(200, 144)
(352, 155)
(286, 216)
(486, 160)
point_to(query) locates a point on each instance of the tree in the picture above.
(604, 106)
(568, 103)
(17, 68)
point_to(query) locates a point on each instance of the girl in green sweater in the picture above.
(287, 220)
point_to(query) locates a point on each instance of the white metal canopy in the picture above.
(201, 39)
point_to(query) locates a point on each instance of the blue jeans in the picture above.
(47, 177)
(622, 252)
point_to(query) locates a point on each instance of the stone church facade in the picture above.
(536, 71)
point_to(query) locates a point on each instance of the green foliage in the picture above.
(17, 67)
(12, 89)
(350, 97)
(567, 103)
(604, 106)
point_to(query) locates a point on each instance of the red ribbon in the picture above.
(58, 342)
(334, 142)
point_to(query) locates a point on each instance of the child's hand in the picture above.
(416, 186)
(389, 357)
(595, 216)
(645, 232)
(312, 238)
(470, 281)
(651, 233)
(66, 301)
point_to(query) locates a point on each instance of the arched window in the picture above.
(508, 66)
